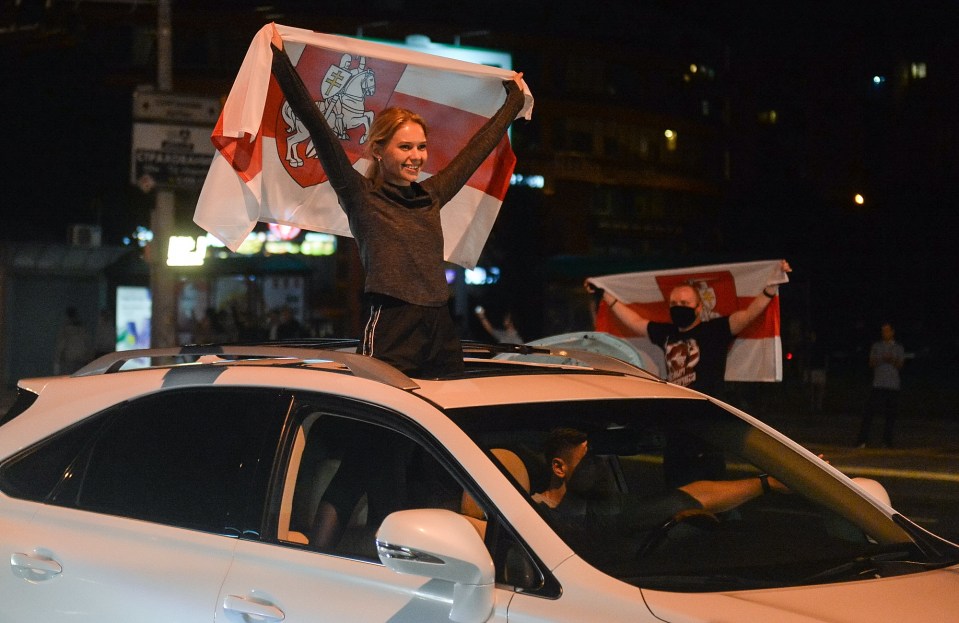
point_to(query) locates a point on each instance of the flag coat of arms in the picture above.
(755, 354)
(265, 168)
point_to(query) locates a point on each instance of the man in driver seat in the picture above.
(597, 519)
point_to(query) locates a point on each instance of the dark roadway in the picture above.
(921, 473)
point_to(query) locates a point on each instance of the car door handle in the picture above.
(248, 607)
(34, 568)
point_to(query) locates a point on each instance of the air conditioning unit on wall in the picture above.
(85, 235)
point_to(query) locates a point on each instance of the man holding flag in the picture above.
(368, 175)
(697, 340)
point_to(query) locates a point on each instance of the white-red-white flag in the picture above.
(756, 353)
(265, 168)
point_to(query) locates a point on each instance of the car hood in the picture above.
(927, 596)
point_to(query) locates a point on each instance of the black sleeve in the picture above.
(335, 163)
(445, 184)
(657, 332)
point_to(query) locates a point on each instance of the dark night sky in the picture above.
(67, 124)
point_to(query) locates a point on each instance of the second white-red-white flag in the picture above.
(756, 353)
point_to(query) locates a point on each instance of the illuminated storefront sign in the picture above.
(193, 250)
(186, 251)
(134, 311)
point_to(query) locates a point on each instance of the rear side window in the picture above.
(34, 473)
(23, 400)
(182, 458)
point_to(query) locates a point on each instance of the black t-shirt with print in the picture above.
(695, 358)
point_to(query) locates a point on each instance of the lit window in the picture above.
(671, 139)
(530, 181)
(186, 251)
(480, 276)
(768, 117)
(704, 72)
(917, 71)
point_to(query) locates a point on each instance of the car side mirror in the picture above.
(441, 545)
(874, 488)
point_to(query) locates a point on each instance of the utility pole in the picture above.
(163, 318)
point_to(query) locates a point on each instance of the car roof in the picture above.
(493, 374)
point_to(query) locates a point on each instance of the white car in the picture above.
(272, 483)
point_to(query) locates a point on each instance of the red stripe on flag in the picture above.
(505, 162)
(244, 155)
(607, 322)
(767, 325)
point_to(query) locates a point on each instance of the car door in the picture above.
(346, 462)
(143, 522)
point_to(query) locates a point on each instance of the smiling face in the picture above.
(403, 156)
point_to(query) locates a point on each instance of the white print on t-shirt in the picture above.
(681, 360)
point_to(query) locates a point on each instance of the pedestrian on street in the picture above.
(289, 328)
(885, 358)
(105, 334)
(74, 345)
(506, 335)
(816, 365)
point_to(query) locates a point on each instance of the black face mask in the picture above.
(682, 316)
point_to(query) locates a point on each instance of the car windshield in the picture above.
(638, 505)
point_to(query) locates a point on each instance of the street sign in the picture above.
(171, 139)
(192, 109)
(170, 156)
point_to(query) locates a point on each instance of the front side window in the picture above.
(185, 458)
(348, 467)
(346, 475)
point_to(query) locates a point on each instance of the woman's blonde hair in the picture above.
(385, 125)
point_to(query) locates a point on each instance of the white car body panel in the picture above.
(931, 597)
(116, 569)
(315, 587)
(588, 595)
(518, 389)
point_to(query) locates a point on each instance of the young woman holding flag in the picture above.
(396, 222)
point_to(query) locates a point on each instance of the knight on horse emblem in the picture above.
(344, 92)
(708, 296)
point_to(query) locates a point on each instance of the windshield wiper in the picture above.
(701, 582)
(892, 561)
(938, 550)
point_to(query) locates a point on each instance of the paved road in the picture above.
(921, 473)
